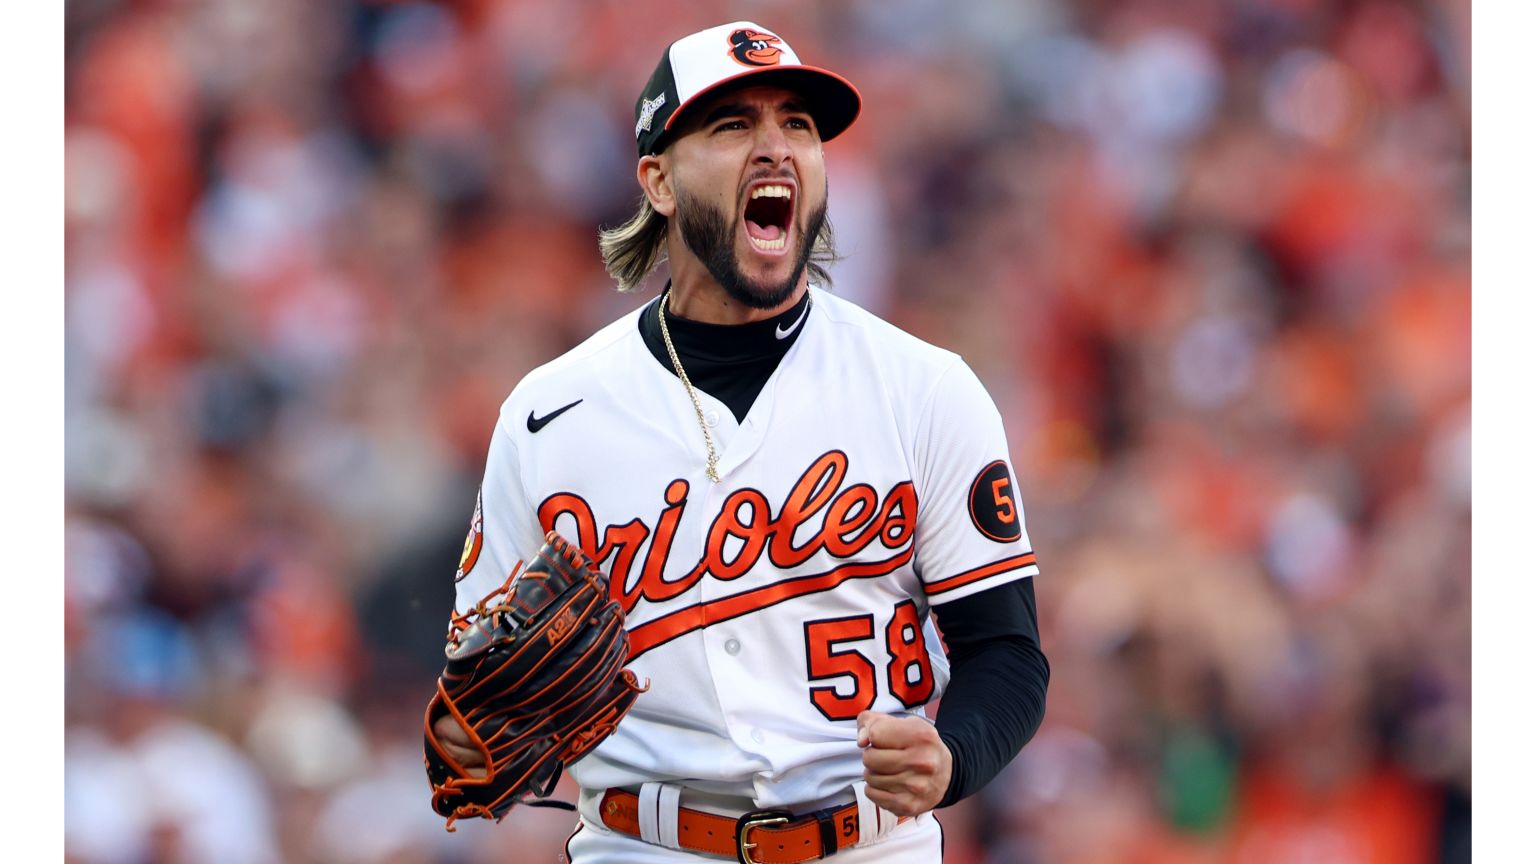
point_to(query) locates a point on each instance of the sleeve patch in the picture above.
(472, 543)
(994, 510)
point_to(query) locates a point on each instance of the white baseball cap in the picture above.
(728, 55)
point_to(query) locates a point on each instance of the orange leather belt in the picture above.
(758, 837)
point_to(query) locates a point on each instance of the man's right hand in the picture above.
(460, 747)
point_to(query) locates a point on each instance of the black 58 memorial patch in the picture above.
(993, 508)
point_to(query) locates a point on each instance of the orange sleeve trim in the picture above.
(982, 572)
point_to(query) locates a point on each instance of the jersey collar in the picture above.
(730, 343)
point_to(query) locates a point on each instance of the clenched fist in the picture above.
(906, 765)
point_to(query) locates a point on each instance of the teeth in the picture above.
(777, 190)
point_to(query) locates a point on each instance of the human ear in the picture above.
(656, 179)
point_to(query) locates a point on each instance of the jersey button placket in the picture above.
(722, 649)
(721, 428)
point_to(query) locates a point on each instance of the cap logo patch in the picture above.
(755, 48)
(647, 112)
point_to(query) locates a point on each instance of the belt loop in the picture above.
(667, 815)
(650, 794)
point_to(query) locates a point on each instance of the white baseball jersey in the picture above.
(869, 481)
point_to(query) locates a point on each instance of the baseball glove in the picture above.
(535, 677)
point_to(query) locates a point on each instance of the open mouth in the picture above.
(769, 210)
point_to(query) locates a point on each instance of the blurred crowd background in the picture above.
(1211, 258)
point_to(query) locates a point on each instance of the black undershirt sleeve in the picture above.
(995, 699)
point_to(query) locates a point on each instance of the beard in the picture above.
(710, 235)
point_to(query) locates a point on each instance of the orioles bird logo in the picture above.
(755, 48)
(472, 543)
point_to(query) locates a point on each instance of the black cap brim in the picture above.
(833, 101)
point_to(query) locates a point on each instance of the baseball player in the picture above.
(786, 493)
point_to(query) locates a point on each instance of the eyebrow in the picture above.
(742, 109)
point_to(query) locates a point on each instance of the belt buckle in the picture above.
(755, 819)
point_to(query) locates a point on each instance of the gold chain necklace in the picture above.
(709, 440)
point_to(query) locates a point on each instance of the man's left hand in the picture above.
(906, 765)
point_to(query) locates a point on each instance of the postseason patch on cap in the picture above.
(648, 113)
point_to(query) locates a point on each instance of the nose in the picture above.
(771, 147)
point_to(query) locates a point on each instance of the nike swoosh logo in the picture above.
(537, 423)
(780, 333)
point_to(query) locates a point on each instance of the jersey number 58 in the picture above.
(907, 673)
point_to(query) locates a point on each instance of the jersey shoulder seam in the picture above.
(510, 440)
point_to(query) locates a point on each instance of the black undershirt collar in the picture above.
(730, 362)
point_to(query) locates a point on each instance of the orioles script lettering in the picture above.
(846, 521)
